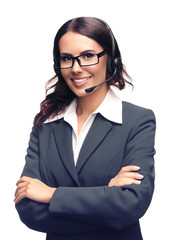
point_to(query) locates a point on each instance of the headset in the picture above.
(113, 63)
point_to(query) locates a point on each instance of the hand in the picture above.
(126, 176)
(33, 189)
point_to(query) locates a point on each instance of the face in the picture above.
(78, 78)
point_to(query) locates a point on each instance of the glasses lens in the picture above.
(88, 59)
(66, 62)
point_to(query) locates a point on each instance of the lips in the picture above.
(80, 81)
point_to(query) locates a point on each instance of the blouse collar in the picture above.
(110, 108)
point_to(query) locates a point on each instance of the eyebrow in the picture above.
(84, 52)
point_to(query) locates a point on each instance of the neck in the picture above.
(87, 105)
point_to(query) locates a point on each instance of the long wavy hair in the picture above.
(58, 94)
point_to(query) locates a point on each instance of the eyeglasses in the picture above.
(87, 59)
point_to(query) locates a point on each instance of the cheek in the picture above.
(65, 74)
(100, 70)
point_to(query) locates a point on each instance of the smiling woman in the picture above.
(80, 30)
(79, 76)
(89, 171)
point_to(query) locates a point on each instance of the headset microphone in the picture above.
(89, 90)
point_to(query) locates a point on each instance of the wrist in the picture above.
(52, 190)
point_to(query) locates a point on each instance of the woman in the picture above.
(89, 170)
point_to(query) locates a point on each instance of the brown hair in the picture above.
(60, 97)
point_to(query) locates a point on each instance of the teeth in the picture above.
(80, 80)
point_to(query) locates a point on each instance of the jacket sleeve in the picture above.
(115, 207)
(37, 215)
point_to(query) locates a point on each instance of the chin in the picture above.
(80, 93)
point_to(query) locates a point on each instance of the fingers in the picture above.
(123, 181)
(130, 172)
(132, 175)
(20, 194)
(127, 176)
(24, 179)
(130, 168)
(20, 186)
(33, 189)
(22, 190)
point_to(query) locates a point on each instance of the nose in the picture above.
(76, 66)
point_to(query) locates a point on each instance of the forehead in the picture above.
(76, 43)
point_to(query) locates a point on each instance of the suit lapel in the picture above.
(63, 137)
(96, 134)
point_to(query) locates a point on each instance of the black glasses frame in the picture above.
(99, 55)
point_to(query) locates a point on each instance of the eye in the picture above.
(66, 59)
(88, 55)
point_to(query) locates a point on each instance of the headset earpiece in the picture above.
(118, 63)
(112, 62)
(109, 65)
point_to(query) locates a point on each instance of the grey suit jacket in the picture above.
(83, 206)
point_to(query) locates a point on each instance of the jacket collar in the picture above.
(63, 136)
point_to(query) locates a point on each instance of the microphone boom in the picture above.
(89, 90)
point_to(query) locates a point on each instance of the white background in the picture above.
(26, 33)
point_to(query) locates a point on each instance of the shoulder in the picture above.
(133, 113)
(47, 127)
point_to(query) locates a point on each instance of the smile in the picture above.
(80, 80)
